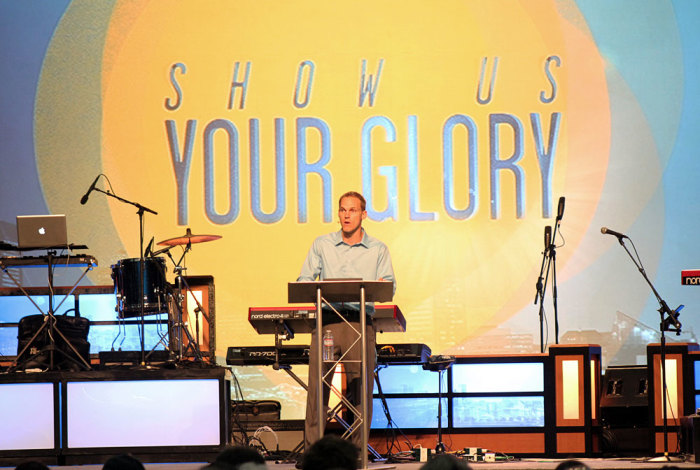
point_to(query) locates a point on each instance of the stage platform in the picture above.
(75, 418)
(524, 406)
(530, 464)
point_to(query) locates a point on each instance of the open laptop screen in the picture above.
(41, 231)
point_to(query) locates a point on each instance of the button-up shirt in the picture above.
(331, 258)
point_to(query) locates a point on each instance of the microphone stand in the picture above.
(669, 323)
(549, 262)
(553, 257)
(142, 263)
(541, 288)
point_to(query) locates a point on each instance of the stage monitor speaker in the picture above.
(625, 393)
(624, 410)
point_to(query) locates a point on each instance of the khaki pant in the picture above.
(343, 337)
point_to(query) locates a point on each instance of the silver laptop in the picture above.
(41, 231)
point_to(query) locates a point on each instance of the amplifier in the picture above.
(120, 358)
(255, 410)
(406, 353)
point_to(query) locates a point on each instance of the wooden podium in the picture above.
(344, 290)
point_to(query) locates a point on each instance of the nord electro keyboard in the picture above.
(292, 355)
(690, 277)
(302, 319)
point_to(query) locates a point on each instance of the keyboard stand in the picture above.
(49, 315)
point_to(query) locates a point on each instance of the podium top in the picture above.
(343, 290)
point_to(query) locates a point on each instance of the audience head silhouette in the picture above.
(331, 452)
(31, 465)
(238, 458)
(572, 464)
(445, 462)
(123, 462)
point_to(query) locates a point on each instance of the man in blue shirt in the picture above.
(349, 253)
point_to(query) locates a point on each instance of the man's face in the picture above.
(351, 214)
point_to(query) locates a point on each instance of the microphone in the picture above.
(160, 252)
(560, 210)
(84, 199)
(149, 248)
(607, 231)
(547, 237)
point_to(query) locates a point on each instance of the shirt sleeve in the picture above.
(311, 269)
(385, 270)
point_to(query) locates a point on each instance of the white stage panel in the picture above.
(143, 413)
(26, 416)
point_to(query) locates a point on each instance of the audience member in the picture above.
(238, 458)
(31, 465)
(572, 464)
(445, 462)
(123, 462)
(331, 452)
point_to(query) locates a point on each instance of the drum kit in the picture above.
(131, 284)
(142, 289)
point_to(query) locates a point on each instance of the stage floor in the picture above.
(530, 464)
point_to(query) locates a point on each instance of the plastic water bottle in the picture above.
(327, 346)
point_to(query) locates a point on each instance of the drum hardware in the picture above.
(188, 239)
(141, 289)
(152, 353)
(180, 291)
(126, 275)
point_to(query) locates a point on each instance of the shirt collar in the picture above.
(338, 238)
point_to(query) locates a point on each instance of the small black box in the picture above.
(255, 410)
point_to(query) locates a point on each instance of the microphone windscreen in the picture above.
(560, 210)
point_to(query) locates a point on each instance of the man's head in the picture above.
(123, 462)
(331, 452)
(351, 212)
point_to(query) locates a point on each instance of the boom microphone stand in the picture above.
(142, 264)
(669, 322)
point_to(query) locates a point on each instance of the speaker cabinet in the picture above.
(624, 411)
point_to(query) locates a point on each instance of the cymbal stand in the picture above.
(49, 315)
(179, 325)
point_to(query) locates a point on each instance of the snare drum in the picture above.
(127, 274)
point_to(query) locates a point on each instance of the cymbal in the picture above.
(188, 238)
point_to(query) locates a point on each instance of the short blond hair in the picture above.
(355, 194)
